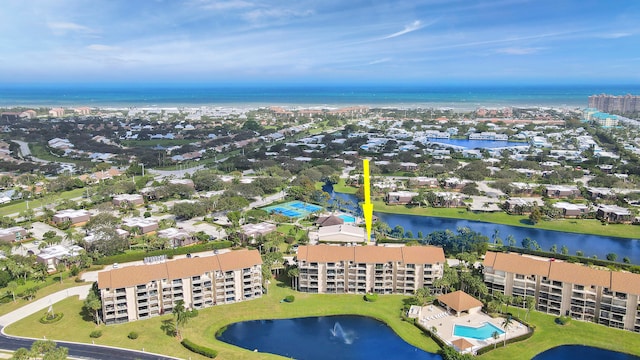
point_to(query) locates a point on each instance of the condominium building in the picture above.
(611, 298)
(143, 291)
(362, 269)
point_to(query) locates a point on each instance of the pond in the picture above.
(583, 353)
(589, 244)
(320, 338)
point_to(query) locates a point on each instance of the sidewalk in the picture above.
(43, 303)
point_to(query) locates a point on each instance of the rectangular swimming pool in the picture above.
(347, 218)
(481, 333)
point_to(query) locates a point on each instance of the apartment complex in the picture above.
(144, 291)
(606, 297)
(624, 104)
(362, 269)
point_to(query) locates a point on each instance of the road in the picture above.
(76, 350)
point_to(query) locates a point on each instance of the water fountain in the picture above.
(339, 333)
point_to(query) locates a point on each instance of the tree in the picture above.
(530, 303)
(423, 296)
(180, 315)
(564, 250)
(612, 256)
(495, 335)
(12, 287)
(293, 274)
(93, 303)
(60, 268)
(527, 243)
(511, 240)
(554, 248)
(506, 323)
(536, 215)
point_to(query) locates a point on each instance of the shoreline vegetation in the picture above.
(578, 226)
(202, 329)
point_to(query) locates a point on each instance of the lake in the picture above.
(327, 337)
(589, 244)
(582, 353)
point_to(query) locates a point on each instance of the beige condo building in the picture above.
(610, 298)
(362, 269)
(143, 291)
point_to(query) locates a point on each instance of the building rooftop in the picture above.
(371, 254)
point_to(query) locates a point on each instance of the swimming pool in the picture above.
(347, 218)
(483, 332)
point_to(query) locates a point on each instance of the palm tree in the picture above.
(180, 315)
(495, 335)
(293, 273)
(12, 286)
(530, 303)
(506, 323)
(60, 268)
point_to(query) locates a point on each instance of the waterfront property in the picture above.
(363, 269)
(610, 298)
(149, 290)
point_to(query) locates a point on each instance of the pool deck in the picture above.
(432, 315)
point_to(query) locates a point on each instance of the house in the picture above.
(12, 234)
(53, 255)
(400, 197)
(561, 191)
(459, 301)
(252, 231)
(329, 220)
(595, 193)
(73, 216)
(177, 237)
(408, 166)
(455, 183)
(448, 199)
(422, 181)
(128, 200)
(343, 233)
(613, 214)
(140, 225)
(571, 210)
(521, 206)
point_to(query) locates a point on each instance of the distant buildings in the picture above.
(624, 104)
(56, 112)
(72, 216)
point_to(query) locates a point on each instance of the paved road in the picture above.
(76, 350)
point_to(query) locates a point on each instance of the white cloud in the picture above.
(225, 5)
(379, 61)
(101, 47)
(614, 35)
(416, 25)
(65, 27)
(518, 51)
(259, 14)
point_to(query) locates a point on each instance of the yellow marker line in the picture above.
(367, 207)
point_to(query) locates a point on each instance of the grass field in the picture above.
(202, 329)
(20, 206)
(580, 226)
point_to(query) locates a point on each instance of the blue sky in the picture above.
(326, 41)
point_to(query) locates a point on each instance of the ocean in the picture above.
(456, 97)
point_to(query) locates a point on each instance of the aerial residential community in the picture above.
(176, 217)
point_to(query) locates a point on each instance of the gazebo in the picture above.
(461, 344)
(459, 301)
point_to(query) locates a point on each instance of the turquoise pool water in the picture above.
(483, 332)
(347, 218)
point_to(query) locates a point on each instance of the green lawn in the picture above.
(202, 328)
(50, 289)
(343, 188)
(587, 226)
(20, 206)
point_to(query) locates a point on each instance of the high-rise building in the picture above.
(624, 104)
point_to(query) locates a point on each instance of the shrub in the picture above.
(289, 298)
(74, 270)
(95, 334)
(371, 297)
(563, 320)
(78, 279)
(221, 331)
(133, 335)
(198, 349)
(49, 319)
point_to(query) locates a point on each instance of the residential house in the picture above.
(12, 234)
(368, 269)
(613, 214)
(252, 231)
(561, 191)
(177, 237)
(143, 291)
(571, 210)
(53, 255)
(140, 225)
(128, 200)
(422, 181)
(595, 193)
(408, 166)
(400, 197)
(343, 233)
(521, 206)
(75, 217)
